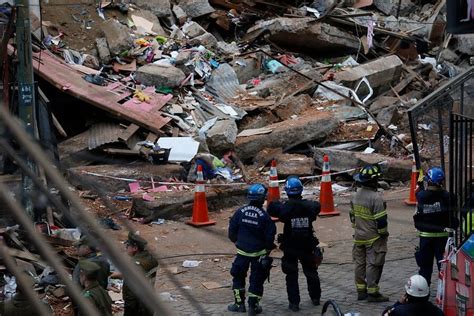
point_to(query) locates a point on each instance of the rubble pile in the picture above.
(190, 78)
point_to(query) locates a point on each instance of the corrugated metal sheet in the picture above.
(224, 82)
(103, 133)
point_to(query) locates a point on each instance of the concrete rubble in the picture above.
(154, 75)
(246, 86)
(143, 92)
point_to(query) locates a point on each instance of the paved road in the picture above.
(336, 272)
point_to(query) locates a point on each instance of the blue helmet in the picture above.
(257, 192)
(293, 186)
(435, 175)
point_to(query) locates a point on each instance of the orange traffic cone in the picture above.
(273, 188)
(326, 197)
(414, 176)
(200, 211)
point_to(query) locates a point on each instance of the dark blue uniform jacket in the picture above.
(298, 216)
(252, 229)
(414, 309)
(434, 212)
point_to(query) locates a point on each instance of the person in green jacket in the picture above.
(87, 251)
(93, 291)
(135, 246)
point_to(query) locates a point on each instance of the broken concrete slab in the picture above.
(183, 57)
(117, 35)
(380, 73)
(313, 126)
(262, 119)
(103, 50)
(227, 48)
(392, 7)
(221, 137)
(293, 106)
(160, 8)
(448, 55)
(305, 34)
(158, 76)
(151, 17)
(294, 164)
(393, 170)
(195, 8)
(193, 29)
(180, 15)
(207, 40)
(77, 176)
(175, 205)
(464, 43)
(388, 116)
(383, 102)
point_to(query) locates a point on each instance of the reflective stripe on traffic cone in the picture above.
(200, 211)
(414, 176)
(326, 197)
(273, 187)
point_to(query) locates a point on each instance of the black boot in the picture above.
(361, 295)
(239, 302)
(254, 306)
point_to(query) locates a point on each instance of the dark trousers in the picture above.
(430, 248)
(239, 270)
(289, 266)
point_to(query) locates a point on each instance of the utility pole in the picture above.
(26, 90)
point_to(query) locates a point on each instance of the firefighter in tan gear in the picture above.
(369, 218)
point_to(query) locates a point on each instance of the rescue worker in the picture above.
(19, 304)
(86, 251)
(415, 300)
(135, 246)
(93, 291)
(433, 215)
(298, 242)
(253, 232)
(369, 218)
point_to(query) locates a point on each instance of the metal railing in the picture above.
(441, 133)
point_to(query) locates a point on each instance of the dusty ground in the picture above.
(174, 242)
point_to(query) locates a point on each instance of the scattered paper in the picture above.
(368, 150)
(134, 187)
(191, 263)
(148, 197)
(143, 25)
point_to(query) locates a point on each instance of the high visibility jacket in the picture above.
(434, 212)
(252, 230)
(368, 216)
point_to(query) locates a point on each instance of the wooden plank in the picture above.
(126, 134)
(67, 79)
(125, 152)
(151, 137)
(36, 260)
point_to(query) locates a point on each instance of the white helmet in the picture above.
(417, 286)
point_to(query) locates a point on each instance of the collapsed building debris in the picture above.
(224, 84)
